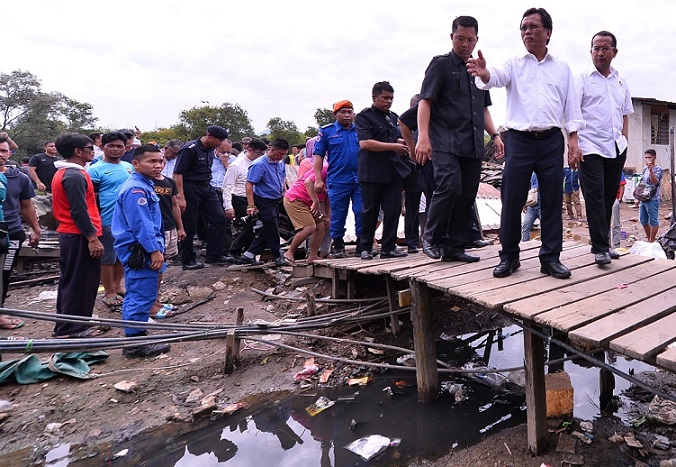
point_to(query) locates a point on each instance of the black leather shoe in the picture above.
(478, 244)
(193, 266)
(462, 257)
(412, 250)
(613, 254)
(393, 254)
(219, 260)
(555, 269)
(366, 255)
(246, 261)
(339, 252)
(432, 251)
(506, 268)
(602, 258)
(149, 350)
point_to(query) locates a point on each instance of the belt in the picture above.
(541, 134)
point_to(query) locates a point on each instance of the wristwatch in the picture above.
(494, 135)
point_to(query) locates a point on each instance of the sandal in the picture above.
(163, 313)
(12, 323)
(112, 302)
(86, 334)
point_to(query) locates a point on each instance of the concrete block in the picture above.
(559, 395)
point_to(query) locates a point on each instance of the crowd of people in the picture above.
(127, 209)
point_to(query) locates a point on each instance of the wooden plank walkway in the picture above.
(628, 306)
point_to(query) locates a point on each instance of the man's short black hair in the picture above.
(257, 145)
(115, 136)
(141, 150)
(651, 152)
(280, 143)
(380, 87)
(25, 160)
(47, 142)
(613, 39)
(95, 135)
(67, 143)
(465, 22)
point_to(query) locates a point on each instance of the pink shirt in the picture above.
(298, 191)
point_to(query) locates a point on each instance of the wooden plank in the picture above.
(530, 307)
(536, 414)
(404, 297)
(579, 313)
(530, 283)
(392, 265)
(647, 341)
(602, 331)
(427, 376)
(392, 299)
(667, 359)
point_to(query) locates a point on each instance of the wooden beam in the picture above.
(404, 297)
(393, 302)
(427, 375)
(238, 322)
(229, 352)
(534, 352)
(311, 306)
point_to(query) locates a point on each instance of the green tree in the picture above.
(194, 122)
(285, 129)
(33, 117)
(324, 117)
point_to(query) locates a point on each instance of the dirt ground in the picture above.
(93, 411)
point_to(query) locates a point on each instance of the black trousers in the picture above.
(376, 196)
(457, 182)
(202, 198)
(268, 213)
(600, 180)
(525, 154)
(241, 242)
(78, 282)
(412, 203)
(16, 239)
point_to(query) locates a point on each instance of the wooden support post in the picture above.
(335, 283)
(229, 352)
(393, 301)
(427, 375)
(606, 386)
(351, 286)
(238, 322)
(311, 306)
(534, 352)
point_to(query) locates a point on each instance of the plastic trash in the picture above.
(368, 446)
(320, 405)
(309, 370)
(48, 295)
(651, 250)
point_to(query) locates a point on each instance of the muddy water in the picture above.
(277, 430)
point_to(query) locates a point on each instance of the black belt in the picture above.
(542, 134)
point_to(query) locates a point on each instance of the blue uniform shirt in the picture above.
(342, 146)
(137, 218)
(267, 177)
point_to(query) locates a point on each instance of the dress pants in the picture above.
(457, 182)
(425, 184)
(78, 282)
(246, 235)
(268, 213)
(525, 154)
(600, 180)
(385, 196)
(201, 197)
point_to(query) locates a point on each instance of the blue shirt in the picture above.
(267, 177)
(107, 179)
(341, 146)
(218, 172)
(137, 218)
(3, 194)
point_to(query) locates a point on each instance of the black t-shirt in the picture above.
(44, 167)
(165, 189)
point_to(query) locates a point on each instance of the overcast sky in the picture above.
(141, 63)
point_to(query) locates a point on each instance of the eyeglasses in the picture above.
(90, 147)
(601, 49)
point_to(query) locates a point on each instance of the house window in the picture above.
(659, 126)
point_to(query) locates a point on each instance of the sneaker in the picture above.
(339, 252)
(148, 350)
(366, 254)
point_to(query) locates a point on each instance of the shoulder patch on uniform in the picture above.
(142, 201)
(327, 125)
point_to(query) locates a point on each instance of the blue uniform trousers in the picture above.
(340, 195)
(141, 286)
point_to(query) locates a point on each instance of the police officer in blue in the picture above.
(139, 244)
(192, 175)
(338, 141)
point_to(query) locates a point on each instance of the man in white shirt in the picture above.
(605, 102)
(170, 153)
(541, 100)
(234, 194)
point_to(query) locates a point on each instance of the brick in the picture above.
(559, 395)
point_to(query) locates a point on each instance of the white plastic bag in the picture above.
(651, 250)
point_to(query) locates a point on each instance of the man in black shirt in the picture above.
(192, 175)
(41, 167)
(452, 116)
(381, 170)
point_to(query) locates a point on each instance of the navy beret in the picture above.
(217, 132)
